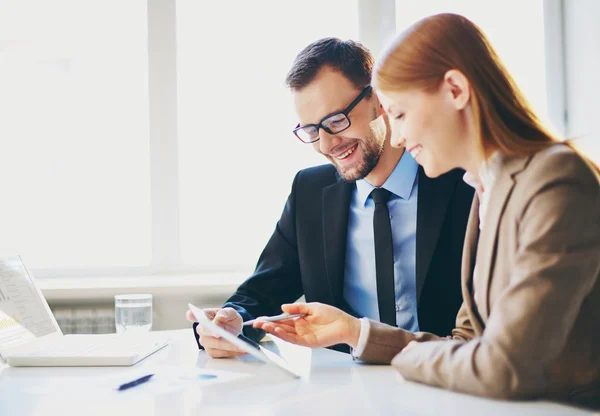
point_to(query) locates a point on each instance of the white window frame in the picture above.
(556, 71)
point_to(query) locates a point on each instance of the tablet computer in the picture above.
(255, 350)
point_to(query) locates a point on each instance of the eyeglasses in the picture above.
(332, 124)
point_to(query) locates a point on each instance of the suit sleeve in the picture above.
(555, 268)
(384, 342)
(276, 279)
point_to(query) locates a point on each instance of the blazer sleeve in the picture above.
(555, 268)
(384, 342)
(276, 279)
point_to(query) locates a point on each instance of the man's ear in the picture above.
(458, 88)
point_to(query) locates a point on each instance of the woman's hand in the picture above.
(323, 326)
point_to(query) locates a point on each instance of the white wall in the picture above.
(582, 53)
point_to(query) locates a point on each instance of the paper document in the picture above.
(23, 313)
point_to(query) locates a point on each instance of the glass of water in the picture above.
(133, 313)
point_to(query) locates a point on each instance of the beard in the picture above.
(371, 151)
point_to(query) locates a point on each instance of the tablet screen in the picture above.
(261, 353)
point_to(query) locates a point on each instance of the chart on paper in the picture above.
(8, 321)
(3, 296)
(21, 305)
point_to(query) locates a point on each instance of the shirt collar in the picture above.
(400, 182)
(487, 173)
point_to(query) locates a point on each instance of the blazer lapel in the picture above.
(433, 198)
(336, 207)
(488, 241)
(468, 265)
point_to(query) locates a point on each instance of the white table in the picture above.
(332, 384)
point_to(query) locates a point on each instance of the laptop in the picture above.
(252, 348)
(31, 337)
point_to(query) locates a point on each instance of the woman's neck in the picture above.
(476, 155)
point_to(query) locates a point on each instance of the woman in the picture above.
(529, 326)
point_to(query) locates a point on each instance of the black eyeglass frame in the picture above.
(345, 112)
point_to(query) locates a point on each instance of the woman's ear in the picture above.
(382, 110)
(458, 88)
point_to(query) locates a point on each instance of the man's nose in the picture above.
(327, 142)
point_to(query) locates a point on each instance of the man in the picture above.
(369, 232)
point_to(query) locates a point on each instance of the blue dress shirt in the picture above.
(360, 285)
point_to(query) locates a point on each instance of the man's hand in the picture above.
(323, 326)
(214, 346)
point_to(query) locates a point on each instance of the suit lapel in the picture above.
(336, 207)
(468, 265)
(488, 241)
(433, 198)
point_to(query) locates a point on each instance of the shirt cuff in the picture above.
(362, 338)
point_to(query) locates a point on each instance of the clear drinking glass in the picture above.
(133, 313)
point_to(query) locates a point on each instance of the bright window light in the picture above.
(74, 158)
(237, 153)
(515, 29)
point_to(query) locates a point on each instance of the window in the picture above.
(74, 158)
(92, 144)
(515, 29)
(237, 153)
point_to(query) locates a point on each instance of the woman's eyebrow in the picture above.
(392, 110)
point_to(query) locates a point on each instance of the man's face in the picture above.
(355, 151)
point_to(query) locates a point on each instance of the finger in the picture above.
(210, 342)
(231, 327)
(296, 308)
(203, 332)
(271, 328)
(210, 312)
(190, 316)
(261, 318)
(214, 353)
(410, 345)
(225, 315)
(289, 337)
(267, 327)
(224, 320)
(288, 327)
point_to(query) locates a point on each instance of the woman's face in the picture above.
(431, 126)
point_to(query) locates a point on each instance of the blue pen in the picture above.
(135, 382)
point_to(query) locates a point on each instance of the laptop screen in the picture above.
(24, 313)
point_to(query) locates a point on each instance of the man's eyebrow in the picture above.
(324, 117)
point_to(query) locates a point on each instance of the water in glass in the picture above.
(133, 313)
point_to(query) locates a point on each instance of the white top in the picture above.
(483, 186)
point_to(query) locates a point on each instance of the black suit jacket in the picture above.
(306, 253)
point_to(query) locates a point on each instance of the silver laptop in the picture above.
(31, 337)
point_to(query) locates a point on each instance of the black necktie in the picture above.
(384, 257)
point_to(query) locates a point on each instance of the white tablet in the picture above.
(258, 351)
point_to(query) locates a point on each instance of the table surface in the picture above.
(331, 384)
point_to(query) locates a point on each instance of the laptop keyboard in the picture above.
(90, 347)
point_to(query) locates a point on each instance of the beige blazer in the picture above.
(529, 326)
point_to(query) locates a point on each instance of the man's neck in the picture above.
(386, 165)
